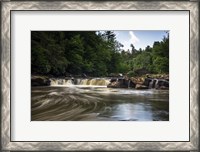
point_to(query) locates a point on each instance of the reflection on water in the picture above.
(129, 111)
(98, 103)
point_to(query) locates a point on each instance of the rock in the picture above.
(131, 84)
(121, 83)
(161, 83)
(112, 85)
(164, 88)
(113, 79)
(139, 86)
(40, 81)
(137, 80)
(120, 75)
(147, 81)
(156, 81)
(152, 84)
(166, 84)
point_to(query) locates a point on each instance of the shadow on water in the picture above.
(97, 103)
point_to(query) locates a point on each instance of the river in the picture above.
(91, 100)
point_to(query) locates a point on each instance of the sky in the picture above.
(140, 39)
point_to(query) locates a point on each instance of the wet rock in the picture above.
(152, 83)
(139, 86)
(162, 84)
(114, 84)
(131, 84)
(147, 81)
(164, 88)
(121, 83)
(40, 81)
(137, 80)
(113, 80)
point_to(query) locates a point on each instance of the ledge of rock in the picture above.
(142, 82)
(121, 83)
(139, 86)
(40, 81)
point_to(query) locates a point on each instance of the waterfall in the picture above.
(151, 84)
(92, 81)
(129, 81)
(99, 81)
(69, 82)
(156, 83)
(84, 82)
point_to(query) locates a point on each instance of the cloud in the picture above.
(134, 39)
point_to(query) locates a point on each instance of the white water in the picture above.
(90, 99)
(80, 82)
(88, 103)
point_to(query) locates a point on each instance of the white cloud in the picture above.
(134, 39)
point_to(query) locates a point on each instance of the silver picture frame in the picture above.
(8, 6)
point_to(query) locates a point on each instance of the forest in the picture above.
(93, 53)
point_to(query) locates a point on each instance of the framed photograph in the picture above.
(109, 75)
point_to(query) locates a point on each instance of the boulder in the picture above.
(113, 85)
(162, 84)
(113, 80)
(130, 84)
(164, 88)
(121, 83)
(40, 81)
(137, 80)
(147, 81)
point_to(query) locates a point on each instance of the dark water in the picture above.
(98, 103)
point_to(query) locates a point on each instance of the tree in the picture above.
(47, 55)
(74, 51)
(148, 49)
(161, 65)
(133, 50)
(95, 53)
(142, 61)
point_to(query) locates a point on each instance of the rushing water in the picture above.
(89, 100)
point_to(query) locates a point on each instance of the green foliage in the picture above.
(153, 60)
(143, 60)
(93, 53)
(124, 67)
(131, 74)
(161, 65)
(75, 52)
(47, 55)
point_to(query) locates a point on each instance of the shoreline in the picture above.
(148, 81)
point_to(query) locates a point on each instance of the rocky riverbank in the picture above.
(141, 82)
(153, 81)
